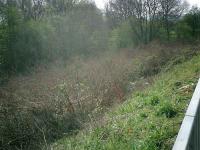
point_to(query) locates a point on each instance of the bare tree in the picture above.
(171, 10)
(140, 13)
(153, 9)
(61, 6)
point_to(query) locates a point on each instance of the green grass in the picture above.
(150, 120)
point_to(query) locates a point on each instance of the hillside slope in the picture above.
(150, 120)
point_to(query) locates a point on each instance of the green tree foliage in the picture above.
(34, 33)
(192, 19)
(122, 37)
(11, 20)
(183, 31)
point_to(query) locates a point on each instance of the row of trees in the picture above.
(35, 9)
(154, 19)
(39, 31)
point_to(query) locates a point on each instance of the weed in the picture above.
(168, 110)
(154, 100)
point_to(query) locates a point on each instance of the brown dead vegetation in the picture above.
(56, 101)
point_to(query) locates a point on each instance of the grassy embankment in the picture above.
(149, 120)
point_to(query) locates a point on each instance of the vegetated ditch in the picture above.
(45, 106)
(150, 119)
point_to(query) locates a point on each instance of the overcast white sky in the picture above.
(100, 3)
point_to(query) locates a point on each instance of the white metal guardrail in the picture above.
(189, 135)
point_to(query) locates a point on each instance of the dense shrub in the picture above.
(165, 58)
(167, 110)
(55, 102)
(28, 125)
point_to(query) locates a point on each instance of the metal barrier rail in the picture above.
(189, 134)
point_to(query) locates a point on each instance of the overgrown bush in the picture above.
(165, 58)
(28, 125)
(168, 110)
(55, 102)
